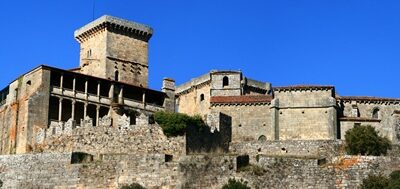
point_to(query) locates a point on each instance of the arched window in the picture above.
(116, 76)
(262, 138)
(375, 113)
(225, 81)
(201, 97)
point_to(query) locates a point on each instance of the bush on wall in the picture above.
(365, 140)
(382, 182)
(175, 124)
(234, 184)
(133, 186)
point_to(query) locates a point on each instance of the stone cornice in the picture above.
(304, 88)
(236, 100)
(369, 99)
(114, 24)
(359, 119)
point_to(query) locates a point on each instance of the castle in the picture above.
(260, 111)
(93, 127)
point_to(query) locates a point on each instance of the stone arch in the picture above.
(201, 97)
(225, 81)
(375, 113)
(116, 76)
(262, 138)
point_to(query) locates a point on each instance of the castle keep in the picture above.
(110, 84)
(93, 126)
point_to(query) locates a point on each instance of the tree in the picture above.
(365, 140)
(234, 184)
(175, 124)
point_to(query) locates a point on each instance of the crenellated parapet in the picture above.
(116, 25)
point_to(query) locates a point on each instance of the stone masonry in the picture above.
(93, 126)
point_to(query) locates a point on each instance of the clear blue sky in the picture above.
(354, 45)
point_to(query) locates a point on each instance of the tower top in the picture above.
(117, 25)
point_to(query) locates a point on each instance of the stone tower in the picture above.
(115, 49)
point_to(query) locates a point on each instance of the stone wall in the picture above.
(129, 56)
(28, 95)
(191, 103)
(250, 122)
(93, 53)
(61, 170)
(58, 170)
(305, 115)
(289, 148)
(101, 140)
(385, 123)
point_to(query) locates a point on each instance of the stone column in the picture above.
(85, 110)
(59, 109)
(86, 89)
(275, 119)
(144, 99)
(74, 86)
(121, 96)
(73, 110)
(61, 82)
(98, 88)
(97, 115)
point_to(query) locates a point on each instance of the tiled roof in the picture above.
(240, 99)
(303, 87)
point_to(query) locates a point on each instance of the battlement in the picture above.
(119, 25)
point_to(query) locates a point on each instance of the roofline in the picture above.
(367, 98)
(303, 87)
(84, 75)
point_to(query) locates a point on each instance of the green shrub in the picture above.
(175, 124)
(133, 186)
(382, 182)
(375, 182)
(365, 140)
(234, 184)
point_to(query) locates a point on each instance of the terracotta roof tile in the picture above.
(240, 99)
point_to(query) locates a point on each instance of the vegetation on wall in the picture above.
(382, 182)
(234, 184)
(175, 124)
(133, 186)
(365, 140)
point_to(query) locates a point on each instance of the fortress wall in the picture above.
(307, 124)
(291, 148)
(28, 96)
(190, 103)
(60, 170)
(38, 171)
(249, 122)
(284, 172)
(101, 140)
(305, 115)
